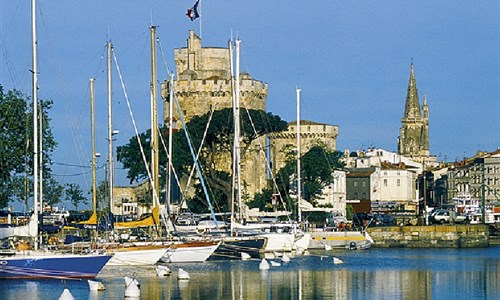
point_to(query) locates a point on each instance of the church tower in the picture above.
(414, 133)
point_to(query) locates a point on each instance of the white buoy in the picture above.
(132, 288)
(275, 263)
(96, 285)
(285, 258)
(66, 295)
(162, 271)
(264, 265)
(182, 275)
(129, 280)
(337, 261)
(245, 256)
(328, 247)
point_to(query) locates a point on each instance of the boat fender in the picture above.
(352, 245)
(3, 262)
(53, 240)
(22, 246)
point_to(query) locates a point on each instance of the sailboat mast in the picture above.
(35, 115)
(233, 98)
(299, 187)
(170, 138)
(237, 127)
(110, 131)
(40, 156)
(154, 121)
(92, 125)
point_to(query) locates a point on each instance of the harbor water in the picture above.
(366, 274)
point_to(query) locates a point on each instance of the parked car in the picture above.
(382, 220)
(442, 216)
(389, 220)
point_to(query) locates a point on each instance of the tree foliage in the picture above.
(74, 194)
(219, 138)
(52, 191)
(16, 145)
(317, 167)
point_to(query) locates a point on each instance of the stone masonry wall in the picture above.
(437, 236)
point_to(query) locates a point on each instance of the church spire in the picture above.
(412, 107)
(425, 109)
(413, 138)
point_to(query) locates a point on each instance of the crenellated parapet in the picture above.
(204, 81)
(283, 144)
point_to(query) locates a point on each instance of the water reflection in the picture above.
(372, 274)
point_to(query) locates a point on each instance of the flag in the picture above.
(192, 13)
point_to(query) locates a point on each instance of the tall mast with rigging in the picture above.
(299, 187)
(110, 130)
(237, 129)
(35, 116)
(92, 125)
(154, 121)
(170, 139)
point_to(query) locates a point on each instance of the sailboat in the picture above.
(158, 248)
(34, 263)
(126, 253)
(265, 237)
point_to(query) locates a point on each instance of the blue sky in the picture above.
(350, 58)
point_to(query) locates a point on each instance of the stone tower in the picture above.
(311, 134)
(413, 138)
(204, 84)
(204, 81)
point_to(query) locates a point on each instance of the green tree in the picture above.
(16, 145)
(52, 191)
(74, 194)
(219, 137)
(317, 167)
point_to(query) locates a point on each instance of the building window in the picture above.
(398, 182)
(364, 183)
(355, 183)
(385, 182)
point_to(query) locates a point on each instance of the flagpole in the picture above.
(201, 36)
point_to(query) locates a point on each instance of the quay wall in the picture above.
(434, 236)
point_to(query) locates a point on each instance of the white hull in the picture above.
(180, 253)
(136, 257)
(28, 230)
(339, 239)
(279, 242)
